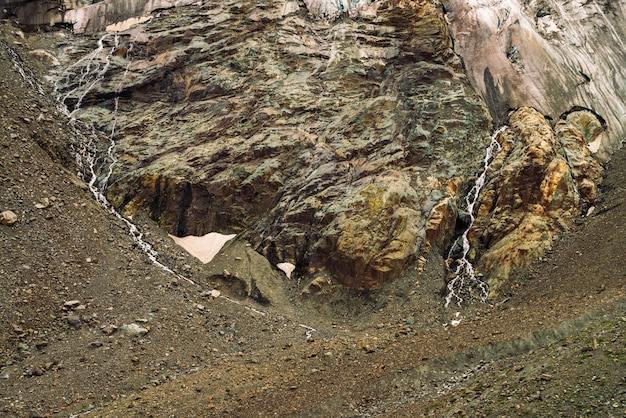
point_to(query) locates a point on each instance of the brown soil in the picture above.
(552, 344)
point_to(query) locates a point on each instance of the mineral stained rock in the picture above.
(326, 144)
(539, 183)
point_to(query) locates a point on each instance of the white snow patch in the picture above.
(288, 268)
(204, 248)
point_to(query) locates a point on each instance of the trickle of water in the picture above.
(22, 69)
(78, 80)
(84, 74)
(464, 280)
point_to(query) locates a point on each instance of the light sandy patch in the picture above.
(204, 248)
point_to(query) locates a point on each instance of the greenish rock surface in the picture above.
(325, 144)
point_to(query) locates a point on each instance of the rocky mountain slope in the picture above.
(93, 327)
(342, 142)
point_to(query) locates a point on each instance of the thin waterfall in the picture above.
(464, 279)
(22, 69)
(79, 79)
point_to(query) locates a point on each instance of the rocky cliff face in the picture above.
(342, 137)
(326, 144)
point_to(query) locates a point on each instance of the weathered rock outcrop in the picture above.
(33, 12)
(326, 144)
(340, 135)
(553, 55)
(106, 14)
(539, 183)
(86, 16)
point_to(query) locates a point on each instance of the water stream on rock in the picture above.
(22, 69)
(465, 282)
(79, 79)
(95, 163)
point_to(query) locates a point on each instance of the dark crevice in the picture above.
(183, 212)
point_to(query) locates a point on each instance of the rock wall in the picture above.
(35, 12)
(340, 136)
(327, 144)
(553, 55)
(98, 16)
(86, 16)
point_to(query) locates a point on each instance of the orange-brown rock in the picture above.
(539, 183)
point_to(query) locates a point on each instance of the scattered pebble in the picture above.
(8, 217)
(44, 203)
(133, 330)
(73, 320)
(108, 329)
(71, 304)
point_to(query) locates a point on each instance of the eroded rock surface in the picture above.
(340, 136)
(326, 144)
(553, 55)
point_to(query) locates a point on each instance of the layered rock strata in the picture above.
(326, 144)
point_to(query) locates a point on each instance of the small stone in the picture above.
(8, 217)
(17, 329)
(133, 330)
(215, 293)
(41, 345)
(95, 344)
(44, 203)
(546, 377)
(35, 371)
(71, 304)
(368, 349)
(108, 329)
(199, 307)
(73, 320)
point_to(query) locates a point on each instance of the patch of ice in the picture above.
(204, 248)
(288, 268)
